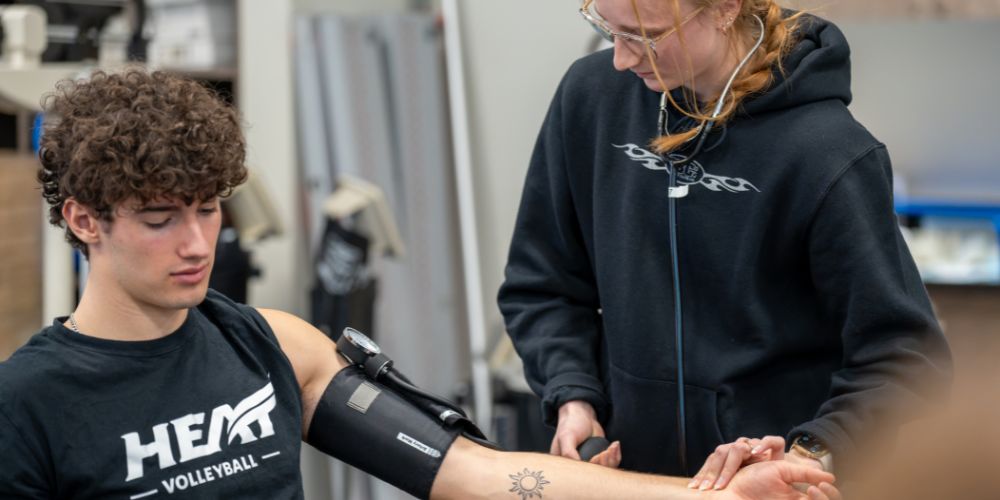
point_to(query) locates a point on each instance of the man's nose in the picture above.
(196, 242)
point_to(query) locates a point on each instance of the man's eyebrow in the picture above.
(155, 209)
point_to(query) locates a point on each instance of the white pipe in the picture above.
(482, 394)
(58, 294)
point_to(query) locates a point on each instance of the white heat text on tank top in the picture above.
(226, 424)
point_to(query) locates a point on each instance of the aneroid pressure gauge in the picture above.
(356, 346)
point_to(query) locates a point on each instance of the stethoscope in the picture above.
(675, 192)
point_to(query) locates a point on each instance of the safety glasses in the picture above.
(601, 26)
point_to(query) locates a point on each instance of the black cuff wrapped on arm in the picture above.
(368, 425)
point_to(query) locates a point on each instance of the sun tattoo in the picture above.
(528, 484)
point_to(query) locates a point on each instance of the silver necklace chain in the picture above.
(72, 324)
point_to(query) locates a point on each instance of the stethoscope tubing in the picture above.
(672, 221)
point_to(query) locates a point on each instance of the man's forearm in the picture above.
(470, 471)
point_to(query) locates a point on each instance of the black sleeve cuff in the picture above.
(574, 387)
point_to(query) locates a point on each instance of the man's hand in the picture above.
(577, 422)
(774, 480)
(722, 464)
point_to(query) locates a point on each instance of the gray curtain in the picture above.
(371, 101)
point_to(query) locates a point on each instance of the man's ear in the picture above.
(82, 221)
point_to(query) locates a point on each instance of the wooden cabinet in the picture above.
(970, 317)
(20, 251)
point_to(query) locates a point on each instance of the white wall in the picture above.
(355, 7)
(928, 90)
(516, 52)
(265, 98)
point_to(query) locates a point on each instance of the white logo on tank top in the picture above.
(225, 423)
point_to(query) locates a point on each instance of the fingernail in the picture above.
(755, 450)
(705, 485)
(718, 484)
(693, 483)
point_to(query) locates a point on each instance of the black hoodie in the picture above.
(802, 308)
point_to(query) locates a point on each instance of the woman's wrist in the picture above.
(577, 406)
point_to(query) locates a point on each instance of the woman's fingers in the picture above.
(738, 454)
(708, 475)
(773, 444)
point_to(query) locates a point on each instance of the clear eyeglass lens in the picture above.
(636, 43)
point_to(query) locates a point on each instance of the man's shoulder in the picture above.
(240, 318)
(244, 327)
(30, 369)
(215, 300)
(38, 353)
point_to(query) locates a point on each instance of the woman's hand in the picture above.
(577, 422)
(721, 465)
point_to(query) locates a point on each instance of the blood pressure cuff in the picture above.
(368, 426)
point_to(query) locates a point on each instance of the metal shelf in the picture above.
(912, 207)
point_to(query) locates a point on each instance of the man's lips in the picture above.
(191, 275)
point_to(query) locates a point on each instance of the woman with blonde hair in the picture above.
(706, 249)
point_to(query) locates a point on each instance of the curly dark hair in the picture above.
(137, 135)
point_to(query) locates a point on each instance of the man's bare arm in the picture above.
(312, 354)
(471, 471)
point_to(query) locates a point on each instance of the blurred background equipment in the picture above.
(23, 35)
(192, 34)
(359, 229)
(953, 243)
(75, 28)
(25, 46)
(248, 218)
(251, 210)
(371, 106)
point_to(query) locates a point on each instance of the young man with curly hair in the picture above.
(156, 386)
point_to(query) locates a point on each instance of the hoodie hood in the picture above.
(816, 69)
